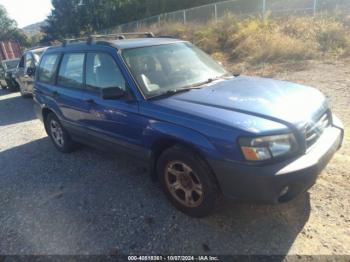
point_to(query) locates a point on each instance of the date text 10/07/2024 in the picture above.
(173, 258)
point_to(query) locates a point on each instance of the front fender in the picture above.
(158, 130)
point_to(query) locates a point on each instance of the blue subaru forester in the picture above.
(203, 131)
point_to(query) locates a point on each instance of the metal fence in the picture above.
(215, 11)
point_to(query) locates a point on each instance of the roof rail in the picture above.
(33, 48)
(122, 35)
(75, 40)
(166, 36)
(119, 36)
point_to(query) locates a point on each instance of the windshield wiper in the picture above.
(176, 91)
(209, 80)
(171, 92)
(188, 88)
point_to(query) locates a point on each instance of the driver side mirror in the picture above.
(111, 93)
(31, 71)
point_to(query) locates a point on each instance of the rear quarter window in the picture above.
(47, 68)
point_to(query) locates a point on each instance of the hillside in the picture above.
(34, 28)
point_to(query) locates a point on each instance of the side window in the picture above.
(102, 72)
(71, 70)
(29, 60)
(21, 63)
(47, 68)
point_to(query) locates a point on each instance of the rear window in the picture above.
(47, 68)
(71, 70)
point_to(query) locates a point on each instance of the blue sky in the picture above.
(27, 12)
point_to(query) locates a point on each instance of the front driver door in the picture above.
(114, 123)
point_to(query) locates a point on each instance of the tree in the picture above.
(9, 30)
(72, 18)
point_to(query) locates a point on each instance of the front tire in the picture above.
(59, 136)
(187, 181)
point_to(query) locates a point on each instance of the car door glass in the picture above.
(21, 63)
(71, 70)
(103, 72)
(37, 56)
(29, 60)
(47, 68)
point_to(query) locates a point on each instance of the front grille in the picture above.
(314, 130)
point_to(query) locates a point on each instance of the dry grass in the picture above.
(257, 40)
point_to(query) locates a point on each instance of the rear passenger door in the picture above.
(115, 122)
(45, 84)
(68, 92)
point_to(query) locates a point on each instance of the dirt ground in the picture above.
(90, 202)
(327, 230)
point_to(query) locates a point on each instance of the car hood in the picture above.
(279, 101)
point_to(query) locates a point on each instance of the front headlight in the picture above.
(267, 147)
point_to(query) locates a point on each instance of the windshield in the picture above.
(165, 68)
(11, 64)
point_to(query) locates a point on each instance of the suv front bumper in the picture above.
(279, 182)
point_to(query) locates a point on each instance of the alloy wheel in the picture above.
(183, 184)
(57, 133)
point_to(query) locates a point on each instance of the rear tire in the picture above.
(23, 94)
(59, 136)
(187, 181)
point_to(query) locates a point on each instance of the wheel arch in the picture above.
(45, 112)
(163, 143)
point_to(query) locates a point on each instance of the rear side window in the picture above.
(47, 69)
(71, 70)
(103, 72)
(29, 60)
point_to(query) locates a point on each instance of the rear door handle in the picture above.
(90, 101)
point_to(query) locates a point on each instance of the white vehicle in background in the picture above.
(26, 70)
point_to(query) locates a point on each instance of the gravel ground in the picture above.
(90, 202)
